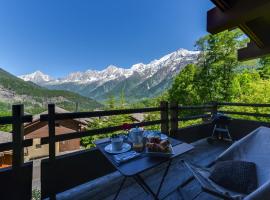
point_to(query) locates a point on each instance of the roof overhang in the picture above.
(252, 17)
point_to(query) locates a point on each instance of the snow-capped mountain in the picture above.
(110, 73)
(37, 77)
(140, 80)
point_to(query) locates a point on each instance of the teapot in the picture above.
(136, 135)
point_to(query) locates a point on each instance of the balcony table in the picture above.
(133, 168)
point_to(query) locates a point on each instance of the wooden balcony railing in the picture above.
(169, 121)
(170, 116)
(18, 143)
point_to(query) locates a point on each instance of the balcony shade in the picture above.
(252, 17)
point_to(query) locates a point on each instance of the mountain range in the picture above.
(138, 81)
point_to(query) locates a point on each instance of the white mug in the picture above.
(117, 143)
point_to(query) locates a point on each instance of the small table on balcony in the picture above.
(133, 168)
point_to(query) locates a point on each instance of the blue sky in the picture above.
(63, 36)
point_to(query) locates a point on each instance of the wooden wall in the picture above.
(71, 170)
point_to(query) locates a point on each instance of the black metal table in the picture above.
(133, 168)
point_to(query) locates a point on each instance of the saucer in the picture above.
(126, 147)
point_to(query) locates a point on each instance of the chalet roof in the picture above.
(5, 137)
(139, 117)
(44, 132)
(83, 121)
(252, 17)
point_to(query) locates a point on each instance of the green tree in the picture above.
(122, 99)
(264, 69)
(111, 102)
(217, 62)
(97, 123)
(184, 88)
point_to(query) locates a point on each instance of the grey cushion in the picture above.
(238, 176)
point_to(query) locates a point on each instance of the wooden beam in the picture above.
(252, 35)
(243, 11)
(252, 51)
(221, 4)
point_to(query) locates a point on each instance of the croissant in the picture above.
(156, 147)
(165, 143)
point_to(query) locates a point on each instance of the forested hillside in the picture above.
(14, 90)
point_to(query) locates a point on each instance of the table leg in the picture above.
(140, 179)
(146, 188)
(140, 184)
(164, 176)
(120, 188)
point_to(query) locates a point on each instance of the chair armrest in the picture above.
(204, 181)
(229, 154)
(262, 193)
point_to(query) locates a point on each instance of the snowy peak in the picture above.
(110, 73)
(37, 77)
(138, 67)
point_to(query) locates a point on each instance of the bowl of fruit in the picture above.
(159, 148)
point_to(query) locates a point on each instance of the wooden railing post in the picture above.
(17, 136)
(164, 116)
(51, 125)
(173, 118)
(215, 108)
(18, 149)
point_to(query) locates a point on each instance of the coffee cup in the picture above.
(117, 143)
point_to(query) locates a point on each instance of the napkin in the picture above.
(124, 157)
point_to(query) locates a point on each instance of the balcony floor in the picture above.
(203, 154)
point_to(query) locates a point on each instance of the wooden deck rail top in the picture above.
(63, 116)
(242, 104)
(245, 113)
(197, 107)
(11, 119)
(74, 135)
(9, 145)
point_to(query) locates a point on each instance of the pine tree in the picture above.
(111, 102)
(122, 99)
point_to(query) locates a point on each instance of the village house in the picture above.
(37, 129)
(6, 156)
